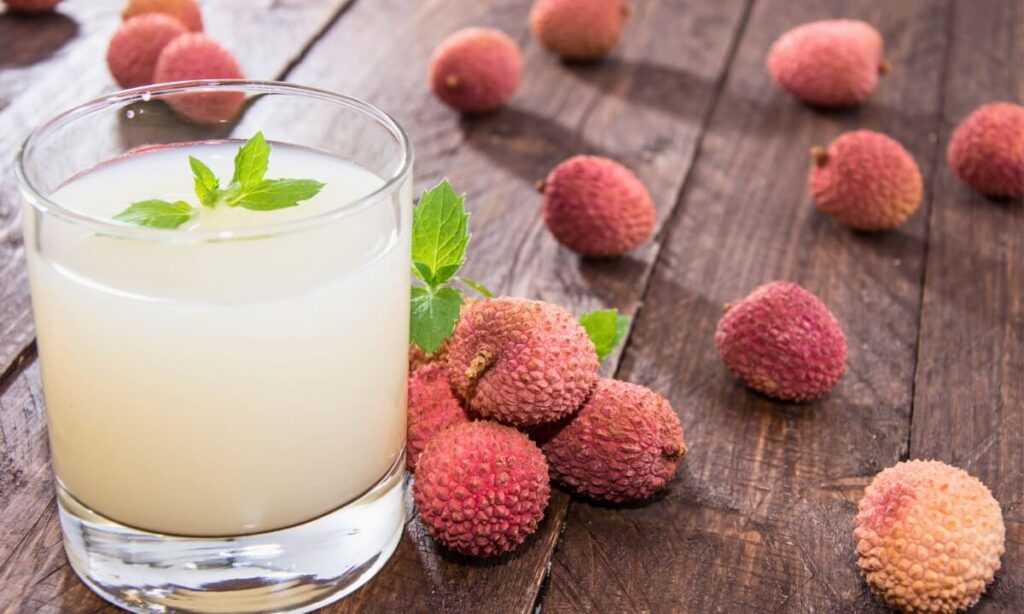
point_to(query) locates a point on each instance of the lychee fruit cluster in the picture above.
(476, 70)
(929, 537)
(578, 29)
(161, 41)
(782, 342)
(986, 150)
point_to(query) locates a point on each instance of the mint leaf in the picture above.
(156, 213)
(606, 328)
(271, 194)
(433, 316)
(251, 162)
(479, 287)
(440, 233)
(206, 183)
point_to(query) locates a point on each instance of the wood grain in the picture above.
(760, 516)
(969, 397)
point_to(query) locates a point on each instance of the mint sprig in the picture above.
(606, 329)
(440, 235)
(248, 189)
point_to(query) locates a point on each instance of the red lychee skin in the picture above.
(196, 56)
(521, 362)
(186, 11)
(481, 488)
(986, 150)
(866, 181)
(136, 45)
(433, 407)
(623, 445)
(829, 63)
(31, 6)
(783, 342)
(476, 70)
(597, 207)
(578, 29)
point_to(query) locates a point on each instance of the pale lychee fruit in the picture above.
(865, 180)
(929, 537)
(136, 45)
(196, 56)
(986, 150)
(186, 11)
(521, 362)
(476, 70)
(829, 63)
(578, 29)
(433, 407)
(481, 488)
(31, 6)
(783, 342)
(622, 445)
(596, 206)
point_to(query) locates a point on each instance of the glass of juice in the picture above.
(225, 398)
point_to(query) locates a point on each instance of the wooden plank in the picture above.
(969, 400)
(645, 107)
(760, 515)
(241, 25)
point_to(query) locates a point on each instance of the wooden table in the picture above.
(759, 516)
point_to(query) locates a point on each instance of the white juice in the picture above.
(219, 387)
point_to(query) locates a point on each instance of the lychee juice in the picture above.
(242, 373)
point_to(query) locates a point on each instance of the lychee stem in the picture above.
(884, 67)
(540, 185)
(480, 363)
(626, 10)
(819, 155)
(452, 82)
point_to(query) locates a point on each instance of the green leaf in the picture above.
(156, 213)
(440, 232)
(251, 162)
(606, 329)
(433, 316)
(206, 183)
(271, 194)
(479, 287)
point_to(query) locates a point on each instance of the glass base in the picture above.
(297, 569)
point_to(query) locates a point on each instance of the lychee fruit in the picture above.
(986, 150)
(596, 206)
(578, 29)
(433, 407)
(186, 11)
(622, 445)
(196, 56)
(829, 63)
(30, 6)
(136, 45)
(476, 70)
(929, 537)
(521, 362)
(481, 488)
(865, 180)
(783, 342)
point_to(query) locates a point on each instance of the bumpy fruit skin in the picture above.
(829, 63)
(481, 488)
(622, 445)
(578, 29)
(521, 362)
(986, 150)
(31, 6)
(136, 45)
(476, 70)
(929, 537)
(865, 180)
(597, 207)
(433, 407)
(783, 342)
(186, 11)
(196, 56)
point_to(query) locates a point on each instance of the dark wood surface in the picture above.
(759, 517)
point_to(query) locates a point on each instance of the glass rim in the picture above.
(46, 206)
